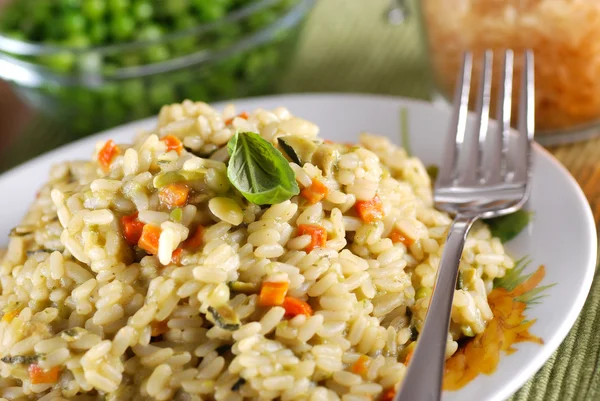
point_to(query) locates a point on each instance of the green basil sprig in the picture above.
(259, 171)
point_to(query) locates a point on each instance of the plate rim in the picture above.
(548, 348)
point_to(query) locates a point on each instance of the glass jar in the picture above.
(565, 38)
(90, 88)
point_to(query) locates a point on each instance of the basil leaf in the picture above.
(509, 226)
(259, 171)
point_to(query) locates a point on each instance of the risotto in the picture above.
(171, 268)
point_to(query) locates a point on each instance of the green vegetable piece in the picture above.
(259, 171)
(423, 292)
(176, 214)
(467, 330)
(171, 177)
(432, 171)
(244, 288)
(509, 226)
(20, 359)
(298, 149)
(225, 317)
(459, 282)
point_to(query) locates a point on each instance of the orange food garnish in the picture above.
(173, 143)
(272, 293)
(398, 236)
(294, 307)
(315, 192)
(159, 328)
(243, 115)
(360, 366)
(41, 376)
(132, 228)
(317, 234)
(388, 395)
(174, 195)
(149, 239)
(106, 155)
(196, 240)
(371, 210)
(176, 256)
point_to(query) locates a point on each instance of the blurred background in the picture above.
(71, 68)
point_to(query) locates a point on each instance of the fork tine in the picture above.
(526, 119)
(456, 136)
(499, 147)
(472, 168)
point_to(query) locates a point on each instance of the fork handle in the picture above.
(423, 380)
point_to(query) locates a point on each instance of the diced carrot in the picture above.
(158, 328)
(149, 239)
(294, 307)
(132, 228)
(174, 195)
(315, 192)
(388, 395)
(317, 234)
(272, 293)
(173, 143)
(371, 210)
(176, 256)
(243, 115)
(9, 316)
(41, 376)
(360, 366)
(106, 155)
(398, 236)
(196, 240)
(409, 356)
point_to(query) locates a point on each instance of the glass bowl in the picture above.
(91, 88)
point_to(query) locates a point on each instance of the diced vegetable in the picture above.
(467, 330)
(398, 236)
(315, 192)
(225, 317)
(259, 171)
(423, 292)
(173, 143)
(294, 307)
(176, 215)
(174, 195)
(132, 228)
(371, 210)
(149, 239)
(171, 177)
(244, 288)
(159, 328)
(273, 293)
(9, 316)
(300, 150)
(20, 359)
(106, 155)
(243, 115)
(195, 241)
(388, 395)
(317, 234)
(360, 366)
(41, 376)
(176, 256)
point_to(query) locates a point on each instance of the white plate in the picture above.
(562, 235)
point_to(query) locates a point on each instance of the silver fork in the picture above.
(479, 178)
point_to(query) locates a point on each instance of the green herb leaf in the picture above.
(509, 226)
(259, 171)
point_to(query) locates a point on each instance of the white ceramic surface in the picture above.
(562, 235)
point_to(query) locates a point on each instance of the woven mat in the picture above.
(347, 46)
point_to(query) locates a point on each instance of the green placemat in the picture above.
(348, 46)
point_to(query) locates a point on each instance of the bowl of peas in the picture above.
(93, 64)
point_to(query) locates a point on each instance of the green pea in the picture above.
(143, 10)
(150, 32)
(122, 27)
(73, 23)
(117, 6)
(93, 9)
(98, 32)
(157, 53)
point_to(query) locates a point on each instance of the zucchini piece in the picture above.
(299, 150)
(244, 288)
(20, 359)
(225, 317)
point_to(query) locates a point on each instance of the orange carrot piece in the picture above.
(243, 115)
(398, 236)
(173, 143)
(315, 192)
(176, 256)
(273, 293)
(360, 366)
(41, 376)
(158, 328)
(317, 234)
(388, 395)
(294, 307)
(174, 195)
(132, 228)
(196, 240)
(369, 211)
(9, 316)
(149, 239)
(106, 155)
